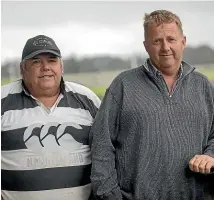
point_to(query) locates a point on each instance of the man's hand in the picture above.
(201, 164)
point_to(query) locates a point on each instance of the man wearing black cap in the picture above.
(42, 78)
(45, 128)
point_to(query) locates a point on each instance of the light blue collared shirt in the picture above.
(151, 68)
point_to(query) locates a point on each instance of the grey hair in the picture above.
(23, 64)
(160, 17)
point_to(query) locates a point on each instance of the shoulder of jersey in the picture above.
(82, 90)
(11, 88)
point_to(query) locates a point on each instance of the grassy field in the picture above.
(99, 81)
(208, 73)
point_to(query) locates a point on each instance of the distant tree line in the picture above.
(195, 56)
(199, 56)
(96, 63)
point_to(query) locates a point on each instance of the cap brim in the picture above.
(39, 52)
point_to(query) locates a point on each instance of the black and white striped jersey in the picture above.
(45, 151)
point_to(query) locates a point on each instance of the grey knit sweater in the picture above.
(143, 139)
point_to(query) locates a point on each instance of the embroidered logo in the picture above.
(42, 41)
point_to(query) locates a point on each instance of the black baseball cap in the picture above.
(39, 44)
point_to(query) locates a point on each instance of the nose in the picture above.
(165, 46)
(45, 66)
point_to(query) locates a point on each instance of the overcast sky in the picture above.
(96, 27)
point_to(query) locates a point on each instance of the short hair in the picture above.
(160, 17)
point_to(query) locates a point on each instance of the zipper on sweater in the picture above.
(165, 87)
(176, 86)
(163, 84)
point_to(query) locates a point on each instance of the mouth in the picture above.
(46, 76)
(166, 55)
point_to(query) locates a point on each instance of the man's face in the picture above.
(42, 72)
(165, 44)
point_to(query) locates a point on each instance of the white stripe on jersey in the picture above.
(75, 193)
(24, 159)
(11, 88)
(14, 119)
(80, 89)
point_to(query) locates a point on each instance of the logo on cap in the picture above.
(41, 41)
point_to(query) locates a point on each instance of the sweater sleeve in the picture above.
(210, 145)
(103, 137)
(209, 150)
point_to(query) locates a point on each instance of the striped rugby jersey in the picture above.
(45, 152)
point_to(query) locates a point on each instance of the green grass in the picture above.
(5, 81)
(208, 73)
(98, 90)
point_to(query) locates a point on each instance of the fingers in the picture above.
(208, 168)
(192, 164)
(201, 164)
(202, 167)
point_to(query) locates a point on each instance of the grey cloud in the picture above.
(112, 13)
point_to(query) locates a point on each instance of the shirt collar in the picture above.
(152, 69)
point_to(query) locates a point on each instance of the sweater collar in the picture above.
(183, 71)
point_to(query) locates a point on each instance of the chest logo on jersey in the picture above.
(53, 137)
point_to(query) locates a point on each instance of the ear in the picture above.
(62, 68)
(145, 45)
(184, 40)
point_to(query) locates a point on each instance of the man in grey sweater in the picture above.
(153, 137)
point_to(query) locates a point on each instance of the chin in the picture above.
(48, 86)
(167, 64)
